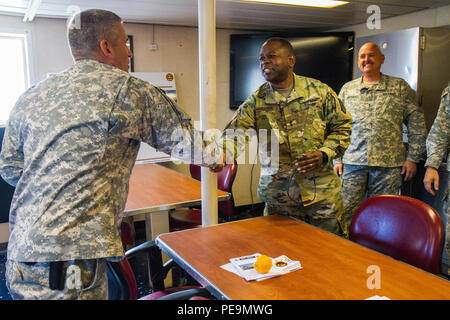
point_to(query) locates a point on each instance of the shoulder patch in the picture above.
(262, 90)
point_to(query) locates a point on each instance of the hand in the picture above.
(431, 180)
(338, 169)
(409, 170)
(309, 161)
(216, 167)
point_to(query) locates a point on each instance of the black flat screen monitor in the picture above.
(327, 57)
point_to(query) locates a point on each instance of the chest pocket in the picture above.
(269, 118)
(305, 125)
(299, 114)
(390, 107)
(357, 107)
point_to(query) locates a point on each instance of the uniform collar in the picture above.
(271, 96)
(83, 63)
(380, 86)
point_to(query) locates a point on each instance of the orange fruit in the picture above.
(263, 264)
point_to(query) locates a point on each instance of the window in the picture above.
(14, 75)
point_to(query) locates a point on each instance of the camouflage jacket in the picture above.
(311, 118)
(378, 112)
(439, 136)
(69, 147)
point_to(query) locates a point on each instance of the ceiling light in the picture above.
(307, 3)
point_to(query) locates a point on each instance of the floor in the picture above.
(139, 264)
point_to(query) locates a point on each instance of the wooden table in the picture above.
(155, 189)
(333, 268)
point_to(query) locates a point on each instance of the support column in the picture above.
(207, 84)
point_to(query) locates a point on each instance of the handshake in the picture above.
(217, 167)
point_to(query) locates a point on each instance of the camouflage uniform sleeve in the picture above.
(415, 122)
(11, 157)
(338, 159)
(438, 137)
(172, 130)
(339, 126)
(233, 140)
(161, 123)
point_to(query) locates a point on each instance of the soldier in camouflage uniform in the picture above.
(311, 127)
(69, 147)
(376, 158)
(437, 145)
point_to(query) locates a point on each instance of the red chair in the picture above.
(404, 228)
(122, 281)
(128, 235)
(182, 219)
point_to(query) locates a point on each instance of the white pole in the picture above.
(207, 74)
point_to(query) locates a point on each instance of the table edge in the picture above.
(208, 285)
(195, 273)
(133, 212)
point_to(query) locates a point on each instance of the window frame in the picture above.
(29, 69)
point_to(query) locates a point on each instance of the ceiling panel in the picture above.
(229, 13)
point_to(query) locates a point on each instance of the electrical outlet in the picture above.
(153, 47)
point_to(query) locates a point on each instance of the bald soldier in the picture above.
(377, 159)
(311, 126)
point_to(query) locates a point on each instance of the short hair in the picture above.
(284, 43)
(87, 28)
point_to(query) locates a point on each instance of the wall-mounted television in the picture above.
(327, 57)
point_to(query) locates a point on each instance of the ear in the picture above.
(291, 60)
(105, 48)
(382, 58)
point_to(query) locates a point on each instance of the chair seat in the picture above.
(165, 292)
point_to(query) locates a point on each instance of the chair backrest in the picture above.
(404, 228)
(127, 234)
(225, 179)
(121, 280)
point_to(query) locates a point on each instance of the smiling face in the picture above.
(370, 60)
(276, 64)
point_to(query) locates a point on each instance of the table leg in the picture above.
(156, 223)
